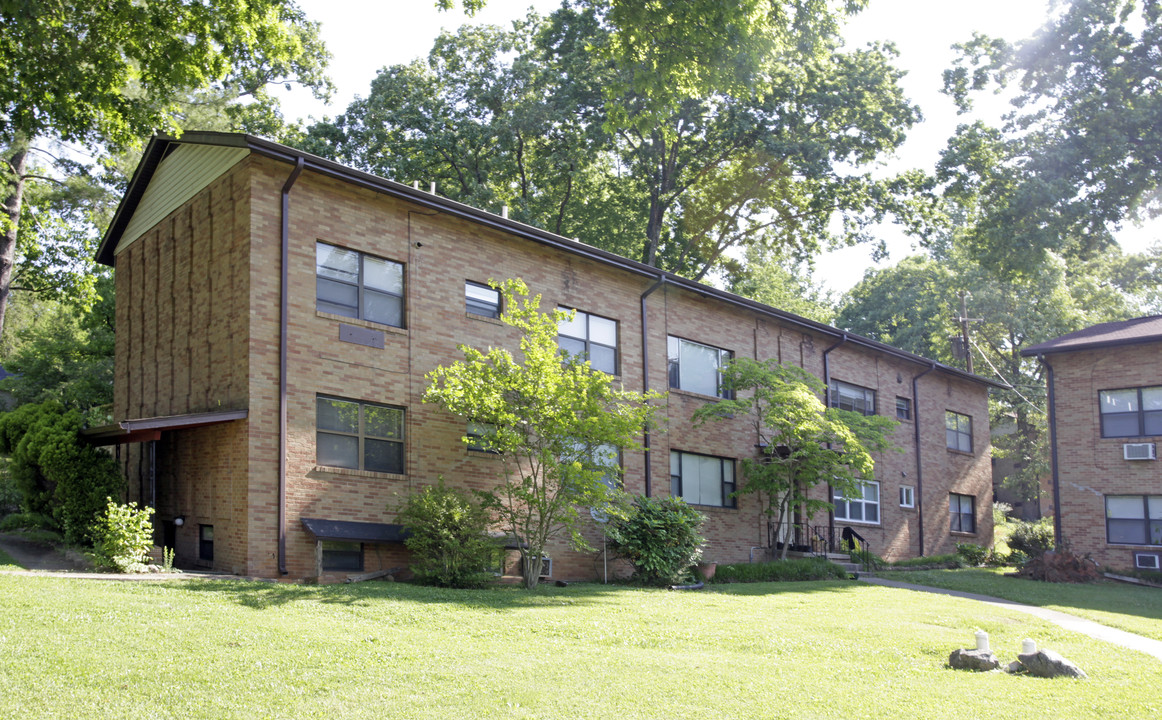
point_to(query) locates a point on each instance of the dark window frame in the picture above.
(342, 560)
(589, 343)
(903, 408)
(958, 431)
(957, 517)
(835, 395)
(1141, 414)
(674, 365)
(206, 546)
(362, 436)
(728, 487)
(1150, 528)
(474, 430)
(359, 311)
(482, 308)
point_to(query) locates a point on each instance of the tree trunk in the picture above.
(532, 570)
(14, 197)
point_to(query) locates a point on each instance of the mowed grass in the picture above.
(838, 649)
(1132, 608)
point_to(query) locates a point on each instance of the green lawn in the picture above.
(1132, 608)
(184, 649)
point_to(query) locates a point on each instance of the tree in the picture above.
(804, 443)
(552, 421)
(666, 157)
(785, 285)
(1080, 153)
(107, 72)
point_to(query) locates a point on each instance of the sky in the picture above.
(367, 35)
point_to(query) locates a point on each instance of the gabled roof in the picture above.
(162, 146)
(1111, 334)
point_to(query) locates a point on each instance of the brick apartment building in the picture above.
(1105, 418)
(277, 313)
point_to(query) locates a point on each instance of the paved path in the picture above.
(1065, 620)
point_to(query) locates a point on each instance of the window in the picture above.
(591, 338)
(696, 367)
(958, 431)
(482, 300)
(1134, 519)
(479, 435)
(907, 496)
(865, 508)
(342, 556)
(359, 435)
(1133, 412)
(962, 513)
(702, 479)
(355, 285)
(206, 543)
(846, 396)
(605, 457)
(903, 408)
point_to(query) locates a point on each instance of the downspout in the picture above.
(1053, 451)
(919, 464)
(827, 403)
(284, 294)
(646, 376)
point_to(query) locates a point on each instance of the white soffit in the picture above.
(179, 177)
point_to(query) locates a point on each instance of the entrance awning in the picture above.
(145, 429)
(355, 531)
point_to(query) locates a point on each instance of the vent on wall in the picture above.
(1139, 451)
(1147, 561)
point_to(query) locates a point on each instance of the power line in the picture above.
(1004, 379)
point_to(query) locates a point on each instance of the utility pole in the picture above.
(964, 319)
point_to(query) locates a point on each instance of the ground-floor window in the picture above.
(1134, 519)
(702, 479)
(962, 513)
(359, 435)
(342, 556)
(864, 507)
(206, 542)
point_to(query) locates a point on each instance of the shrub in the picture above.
(448, 537)
(1032, 538)
(659, 536)
(793, 569)
(27, 521)
(972, 554)
(122, 537)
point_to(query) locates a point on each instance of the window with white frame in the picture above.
(1131, 412)
(958, 431)
(863, 508)
(359, 435)
(907, 496)
(1134, 519)
(962, 513)
(481, 299)
(590, 337)
(696, 367)
(356, 285)
(702, 479)
(846, 396)
(903, 408)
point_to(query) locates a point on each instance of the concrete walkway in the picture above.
(1065, 620)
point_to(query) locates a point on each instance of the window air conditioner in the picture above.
(546, 567)
(1146, 561)
(1139, 451)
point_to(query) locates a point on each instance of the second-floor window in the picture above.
(481, 299)
(958, 431)
(846, 396)
(359, 435)
(356, 285)
(592, 338)
(1131, 412)
(696, 367)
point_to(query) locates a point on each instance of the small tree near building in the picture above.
(802, 443)
(550, 419)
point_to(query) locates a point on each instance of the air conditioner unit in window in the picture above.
(546, 567)
(1139, 451)
(1147, 561)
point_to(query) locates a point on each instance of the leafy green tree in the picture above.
(106, 72)
(784, 285)
(805, 444)
(1080, 153)
(552, 420)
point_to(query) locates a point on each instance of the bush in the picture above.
(122, 537)
(790, 570)
(27, 521)
(659, 536)
(1032, 538)
(972, 554)
(55, 472)
(448, 537)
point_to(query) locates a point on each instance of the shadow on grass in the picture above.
(258, 595)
